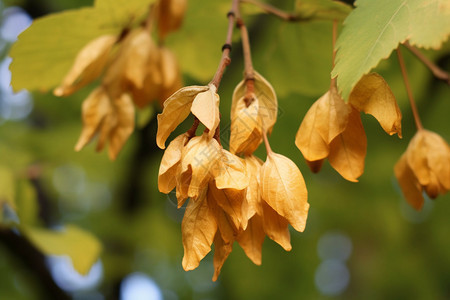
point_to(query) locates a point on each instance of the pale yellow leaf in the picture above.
(332, 115)
(276, 227)
(230, 201)
(428, 155)
(225, 225)
(88, 65)
(408, 183)
(252, 238)
(284, 189)
(81, 246)
(183, 180)
(372, 95)
(221, 251)
(206, 108)
(268, 103)
(252, 203)
(308, 139)
(198, 230)
(176, 109)
(168, 170)
(348, 150)
(230, 172)
(246, 127)
(170, 17)
(201, 154)
(124, 124)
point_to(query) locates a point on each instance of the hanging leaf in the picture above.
(221, 252)
(198, 229)
(276, 227)
(230, 172)
(372, 95)
(283, 188)
(176, 109)
(348, 150)
(365, 40)
(411, 188)
(252, 238)
(206, 108)
(168, 170)
(81, 246)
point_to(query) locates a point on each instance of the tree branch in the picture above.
(274, 11)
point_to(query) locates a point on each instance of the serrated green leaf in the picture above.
(375, 28)
(322, 9)
(45, 51)
(81, 246)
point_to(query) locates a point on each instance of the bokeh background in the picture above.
(362, 241)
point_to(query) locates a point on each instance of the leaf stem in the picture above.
(273, 10)
(226, 49)
(249, 72)
(266, 143)
(437, 72)
(193, 129)
(408, 90)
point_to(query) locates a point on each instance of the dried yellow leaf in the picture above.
(168, 170)
(170, 73)
(183, 182)
(252, 238)
(230, 201)
(112, 118)
(171, 13)
(348, 149)
(411, 188)
(176, 109)
(268, 103)
(88, 65)
(246, 127)
(198, 230)
(201, 154)
(308, 139)
(221, 251)
(252, 203)
(206, 108)
(230, 172)
(225, 224)
(372, 95)
(276, 227)
(284, 189)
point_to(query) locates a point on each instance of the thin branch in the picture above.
(193, 129)
(274, 11)
(226, 49)
(437, 72)
(408, 90)
(249, 72)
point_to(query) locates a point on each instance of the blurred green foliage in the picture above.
(397, 253)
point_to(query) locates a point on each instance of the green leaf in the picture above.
(375, 28)
(82, 247)
(295, 58)
(45, 51)
(322, 9)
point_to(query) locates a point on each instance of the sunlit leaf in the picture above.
(230, 172)
(198, 229)
(348, 150)
(246, 127)
(284, 189)
(230, 201)
(221, 252)
(365, 40)
(206, 108)
(176, 109)
(252, 238)
(372, 95)
(408, 183)
(170, 161)
(81, 246)
(252, 203)
(276, 227)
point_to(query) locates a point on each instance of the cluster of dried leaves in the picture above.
(233, 195)
(134, 70)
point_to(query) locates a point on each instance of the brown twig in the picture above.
(437, 72)
(226, 49)
(274, 11)
(408, 90)
(193, 129)
(249, 72)
(267, 144)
